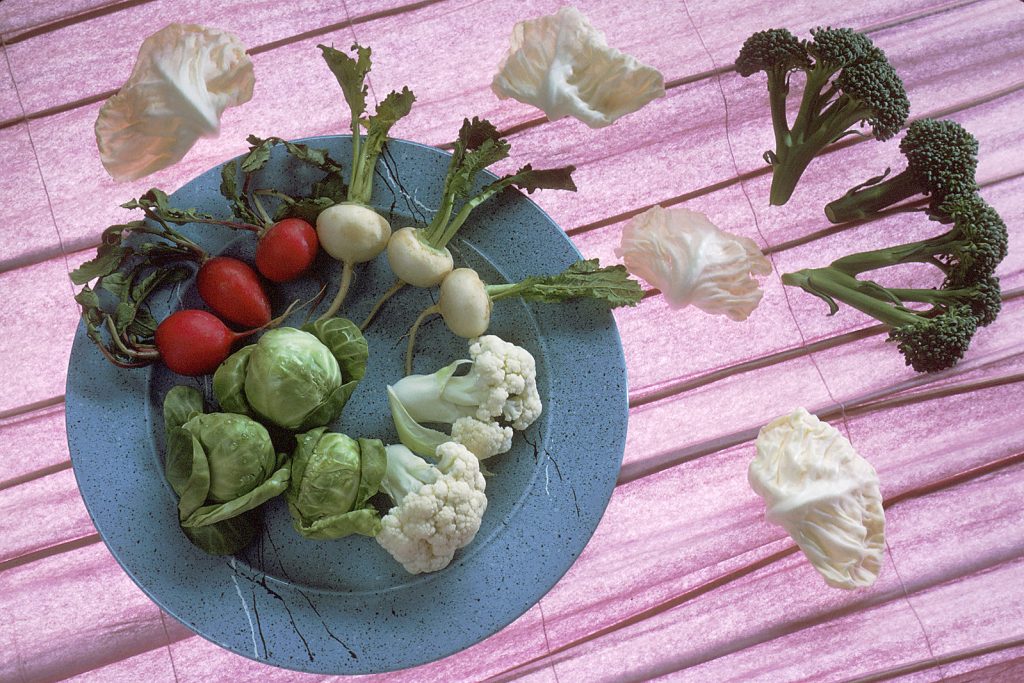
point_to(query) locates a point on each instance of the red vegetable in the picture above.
(232, 289)
(286, 250)
(193, 342)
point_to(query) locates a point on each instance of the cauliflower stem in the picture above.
(501, 384)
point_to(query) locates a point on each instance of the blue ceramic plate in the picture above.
(345, 606)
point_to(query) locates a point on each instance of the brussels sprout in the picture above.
(222, 465)
(293, 378)
(345, 341)
(181, 404)
(333, 478)
(226, 537)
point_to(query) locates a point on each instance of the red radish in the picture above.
(193, 342)
(286, 250)
(232, 289)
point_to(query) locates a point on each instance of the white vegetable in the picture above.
(484, 439)
(501, 384)
(564, 66)
(184, 78)
(352, 233)
(691, 261)
(438, 509)
(415, 262)
(824, 494)
(464, 303)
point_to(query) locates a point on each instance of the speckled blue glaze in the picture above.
(345, 607)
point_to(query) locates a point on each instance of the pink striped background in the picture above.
(683, 579)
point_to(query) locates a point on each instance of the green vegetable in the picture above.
(351, 75)
(849, 81)
(941, 160)
(333, 478)
(221, 466)
(227, 536)
(133, 262)
(295, 379)
(935, 338)
(329, 190)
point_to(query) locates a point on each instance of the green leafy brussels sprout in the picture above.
(333, 478)
(227, 536)
(296, 379)
(220, 464)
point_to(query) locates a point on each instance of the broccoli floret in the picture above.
(834, 48)
(932, 338)
(942, 157)
(978, 241)
(935, 344)
(849, 81)
(967, 253)
(775, 51)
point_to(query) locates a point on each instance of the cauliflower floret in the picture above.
(437, 509)
(510, 374)
(483, 439)
(502, 385)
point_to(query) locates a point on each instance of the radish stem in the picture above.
(427, 312)
(346, 281)
(380, 303)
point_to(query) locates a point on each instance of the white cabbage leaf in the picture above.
(184, 78)
(562, 65)
(682, 253)
(824, 494)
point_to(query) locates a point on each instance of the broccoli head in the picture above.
(849, 82)
(775, 51)
(935, 344)
(978, 241)
(835, 48)
(942, 157)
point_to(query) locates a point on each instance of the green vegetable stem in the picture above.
(848, 82)
(941, 160)
(353, 232)
(465, 302)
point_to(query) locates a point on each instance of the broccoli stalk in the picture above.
(848, 81)
(967, 253)
(941, 160)
(935, 338)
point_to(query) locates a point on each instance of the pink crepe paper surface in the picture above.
(683, 580)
